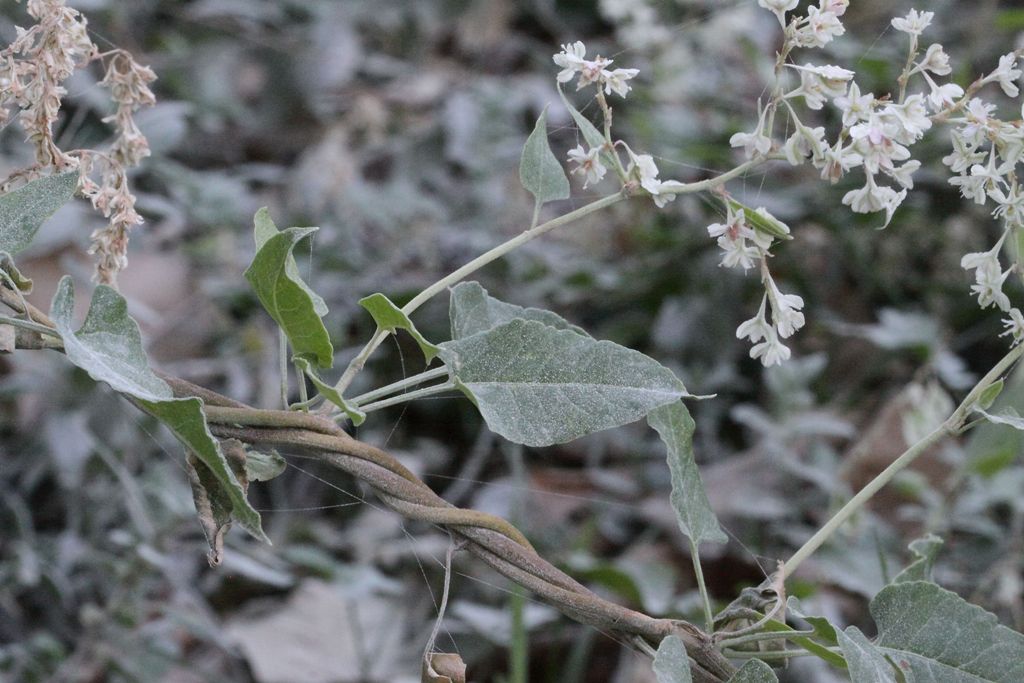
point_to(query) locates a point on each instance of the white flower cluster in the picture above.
(986, 152)
(573, 61)
(588, 162)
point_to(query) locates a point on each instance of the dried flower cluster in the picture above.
(33, 70)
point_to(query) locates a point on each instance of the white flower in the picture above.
(756, 143)
(1006, 74)
(1014, 325)
(977, 122)
(904, 175)
(836, 7)
(820, 28)
(838, 160)
(914, 22)
(779, 7)
(869, 198)
(571, 60)
(989, 285)
(910, 119)
(757, 328)
(615, 81)
(942, 95)
(935, 60)
(771, 351)
(803, 143)
(764, 239)
(735, 224)
(819, 83)
(642, 167)
(855, 107)
(963, 156)
(874, 140)
(892, 200)
(588, 164)
(785, 310)
(738, 252)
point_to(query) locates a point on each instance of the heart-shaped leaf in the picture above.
(867, 663)
(538, 386)
(24, 210)
(274, 277)
(671, 665)
(473, 310)
(539, 170)
(109, 347)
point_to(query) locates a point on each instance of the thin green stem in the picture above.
(762, 636)
(408, 396)
(952, 426)
(709, 618)
(400, 385)
(29, 325)
(303, 395)
(519, 652)
(775, 654)
(282, 365)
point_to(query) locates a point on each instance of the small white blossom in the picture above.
(786, 310)
(1006, 74)
(904, 175)
(989, 285)
(571, 60)
(914, 23)
(942, 96)
(756, 143)
(837, 160)
(757, 328)
(935, 60)
(836, 7)
(803, 143)
(963, 156)
(1014, 326)
(615, 81)
(643, 168)
(588, 164)
(819, 83)
(854, 106)
(779, 7)
(771, 351)
(818, 29)
(738, 252)
(870, 198)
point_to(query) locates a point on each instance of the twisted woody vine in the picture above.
(537, 378)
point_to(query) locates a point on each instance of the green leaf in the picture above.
(754, 671)
(539, 386)
(671, 665)
(109, 347)
(1009, 417)
(260, 466)
(867, 664)
(330, 393)
(925, 550)
(935, 635)
(14, 276)
(473, 310)
(812, 646)
(762, 222)
(274, 277)
(24, 210)
(390, 317)
(989, 395)
(264, 229)
(539, 170)
(689, 500)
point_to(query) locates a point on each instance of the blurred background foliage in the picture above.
(396, 127)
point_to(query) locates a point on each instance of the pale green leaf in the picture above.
(1008, 416)
(24, 210)
(925, 550)
(13, 275)
(671, 665)
(109, 347)
(264, 229)
(473, 310)
(689, 500)
(390, 317)
(866, 662)
(330, 393)
(939, 637)
(538, 386)
(591, 134)
(274, 277)
(263, 466)
(767, 224)
(754, 671)
(989, 395)
(539, 170)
